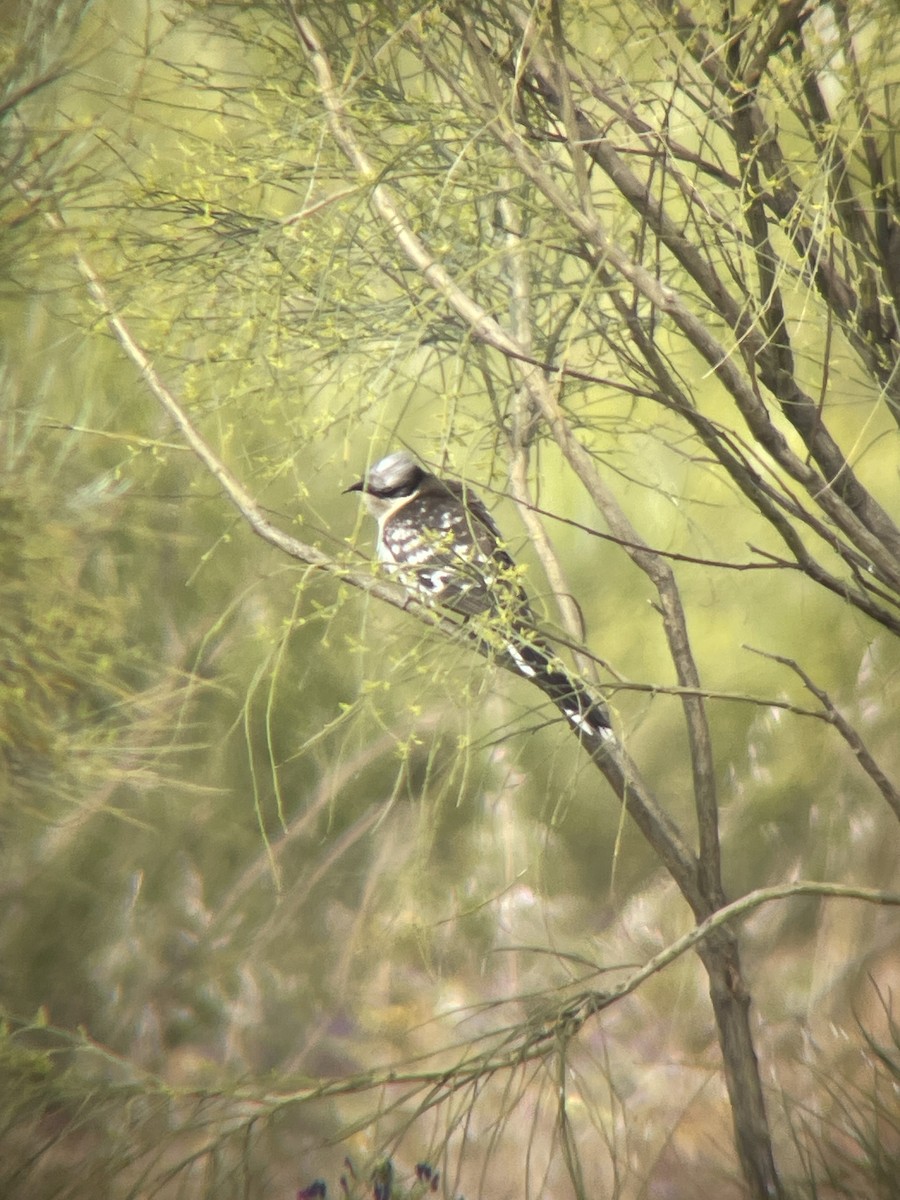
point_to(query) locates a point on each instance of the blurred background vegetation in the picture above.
(260, 832)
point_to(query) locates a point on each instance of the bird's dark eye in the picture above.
(397, 490)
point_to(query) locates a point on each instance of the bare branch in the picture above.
(833, 715)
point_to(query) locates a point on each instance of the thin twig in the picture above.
(833, 715)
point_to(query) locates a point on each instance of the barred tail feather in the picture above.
(583, 710)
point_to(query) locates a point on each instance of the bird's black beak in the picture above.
(355, 487)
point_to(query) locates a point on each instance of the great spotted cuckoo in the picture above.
(441, 543)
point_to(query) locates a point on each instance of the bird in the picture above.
(437, 538)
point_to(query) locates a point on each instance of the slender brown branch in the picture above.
(834, 716)
(525, 418)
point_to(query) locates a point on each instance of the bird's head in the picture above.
(392, 478)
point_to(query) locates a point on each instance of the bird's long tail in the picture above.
(534, 660)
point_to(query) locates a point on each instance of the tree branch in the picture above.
(834, 716)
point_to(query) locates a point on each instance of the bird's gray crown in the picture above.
(396, 475)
